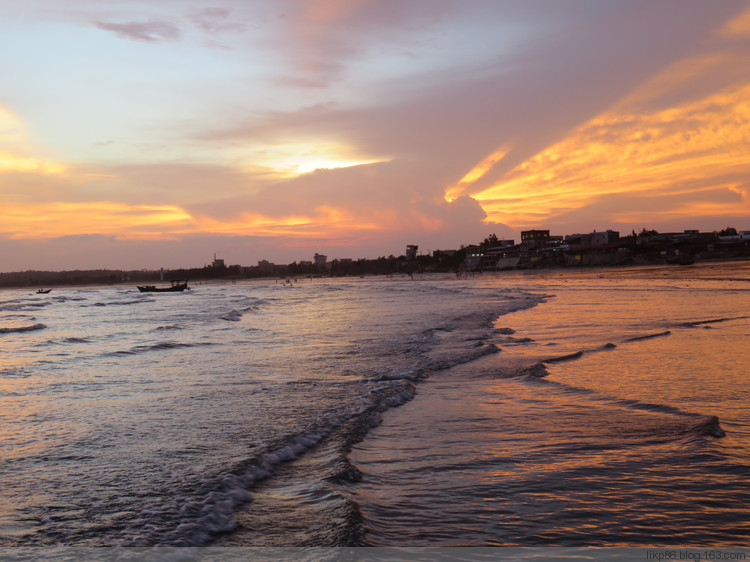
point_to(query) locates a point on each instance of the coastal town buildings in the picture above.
(537, 249)
(593, 239)
(742, 235)
(534, 239)
(602, 248)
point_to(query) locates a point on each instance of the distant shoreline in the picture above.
(104, 278)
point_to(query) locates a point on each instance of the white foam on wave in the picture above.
(211, 514)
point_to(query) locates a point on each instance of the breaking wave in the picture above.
(708, 426)
(31, 328)
(712, 321)
(232, 316)
(649, 336)
(140, 300)
(22, 305)
(197, 518)
(161, 346)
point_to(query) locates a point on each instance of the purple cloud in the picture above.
(217, 20)
(149, 31)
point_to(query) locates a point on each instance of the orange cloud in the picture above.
(15, 147)
(475, 174)
(50, 220)
(738, 27)
(323, 221)
(10, 162)
(683, 149)
(680, 211)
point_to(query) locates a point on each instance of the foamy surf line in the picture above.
(197, 519)
(212, 513)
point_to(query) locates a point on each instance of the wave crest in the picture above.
(31, 328)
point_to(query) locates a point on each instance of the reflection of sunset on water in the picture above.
(630, 428)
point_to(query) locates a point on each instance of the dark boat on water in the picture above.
(43, 291)
(176, 286)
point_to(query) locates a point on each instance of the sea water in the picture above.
(616, 415)
(592, 407)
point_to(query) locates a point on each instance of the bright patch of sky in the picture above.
(96, 95)
(85, 89)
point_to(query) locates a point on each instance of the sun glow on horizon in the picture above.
(292, 160)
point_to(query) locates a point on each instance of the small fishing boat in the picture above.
(43, 291)
(177, 285)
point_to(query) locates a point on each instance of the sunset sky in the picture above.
(146, 134)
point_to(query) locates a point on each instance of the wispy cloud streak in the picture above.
(147, 31)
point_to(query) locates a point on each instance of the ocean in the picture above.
(597, 407)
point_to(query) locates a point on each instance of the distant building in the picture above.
(534, 239)
(265, 266)
(574, 239)
(593, 239)
(444, 253)
(411, 252)
(320, 261)
(474, 256)
(740, 236)
(603, 238)
(217, 263)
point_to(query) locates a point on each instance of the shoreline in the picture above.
(546, 270)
